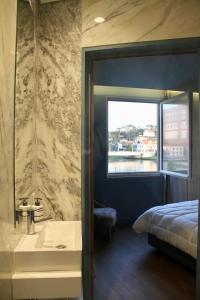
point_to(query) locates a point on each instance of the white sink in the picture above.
(56, 246)
(48, 263)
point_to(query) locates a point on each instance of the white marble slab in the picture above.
(138, 20)
(7, 71)
(48, 108)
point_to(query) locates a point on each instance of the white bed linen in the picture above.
(176, 224)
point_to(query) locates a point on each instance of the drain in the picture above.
(61, 246)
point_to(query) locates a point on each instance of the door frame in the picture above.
(89, 55)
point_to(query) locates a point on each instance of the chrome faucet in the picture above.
(29, 214)
(18, 216)
(30, 221)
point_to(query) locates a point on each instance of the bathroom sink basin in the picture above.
(56, 246)
(48, 263)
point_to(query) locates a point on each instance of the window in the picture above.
(132, 136)
(175, 154)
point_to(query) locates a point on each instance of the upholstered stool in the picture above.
(105, 219)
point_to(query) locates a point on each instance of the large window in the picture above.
(132, 136)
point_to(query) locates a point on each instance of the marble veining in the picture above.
(59, 67)
(24, 99)
(138, 20)
(48, 107)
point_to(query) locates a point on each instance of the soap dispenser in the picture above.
(24, 206)
(38, 208)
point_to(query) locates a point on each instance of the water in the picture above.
(127, 166)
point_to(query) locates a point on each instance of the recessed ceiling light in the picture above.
(99, 20)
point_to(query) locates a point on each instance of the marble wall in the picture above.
(24, 99)
(48, 107)
(7, 76)
(58, 108)
(139, 20)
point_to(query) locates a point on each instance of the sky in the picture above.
(134, 113)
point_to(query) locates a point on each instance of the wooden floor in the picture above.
(129, 269)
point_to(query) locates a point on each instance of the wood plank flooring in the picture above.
(129, 269)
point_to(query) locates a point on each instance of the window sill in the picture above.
(135, 174)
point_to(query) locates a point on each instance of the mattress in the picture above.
(176, 224)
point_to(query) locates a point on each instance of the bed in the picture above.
(172, 228)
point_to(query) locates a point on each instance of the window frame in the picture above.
(176, 174)
(134, 100)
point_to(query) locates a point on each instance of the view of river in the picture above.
(133, 165)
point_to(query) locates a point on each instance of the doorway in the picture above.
(101, 58)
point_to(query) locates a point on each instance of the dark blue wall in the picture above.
(131, 196)
(173, 72)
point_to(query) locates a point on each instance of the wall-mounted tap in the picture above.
(19, 216)
(30, 221)
(25, 212)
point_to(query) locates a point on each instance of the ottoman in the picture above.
(105, 219)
